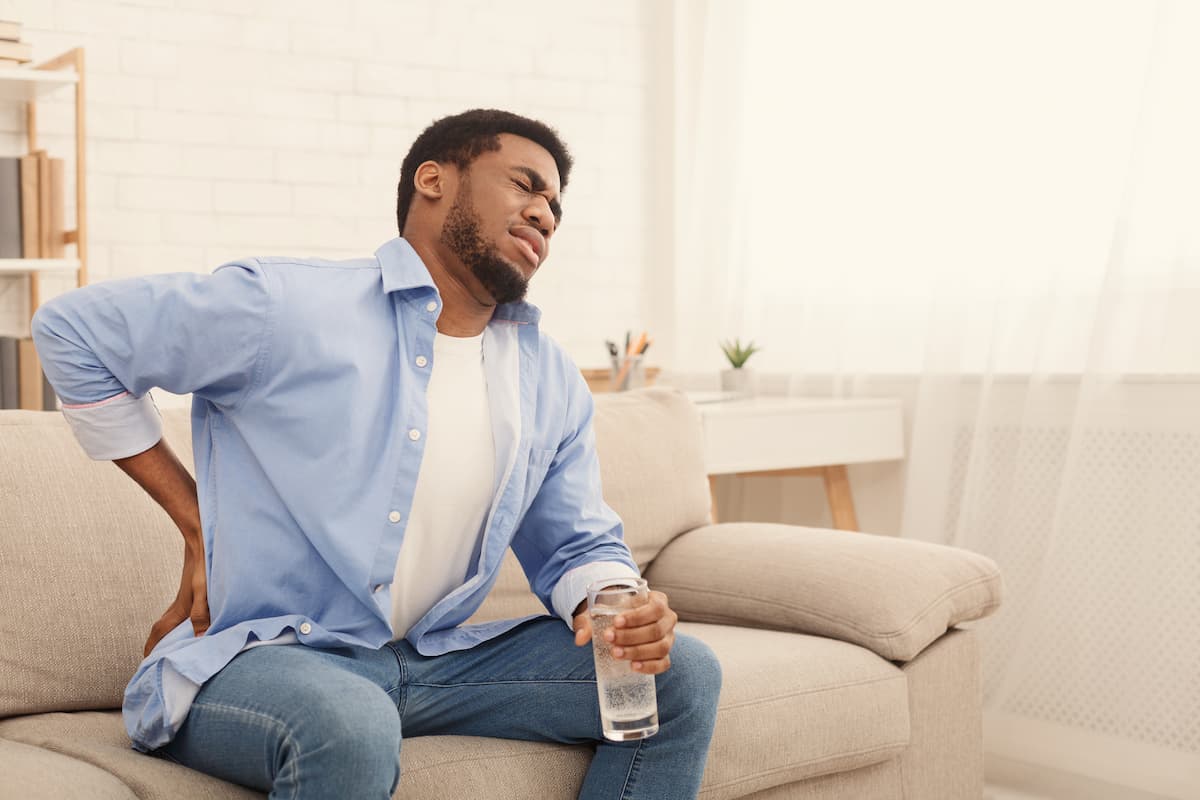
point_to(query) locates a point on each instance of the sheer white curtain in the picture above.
(993, 211)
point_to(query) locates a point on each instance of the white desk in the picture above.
(802, 436)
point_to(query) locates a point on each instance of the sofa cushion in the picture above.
(34, 773)
(433, 767)
(892, 596)
(88, 563)
(791, 707)
(795, 706)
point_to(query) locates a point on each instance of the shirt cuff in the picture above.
(118, 427)
(571, 588)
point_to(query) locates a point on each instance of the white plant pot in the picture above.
(737, 380)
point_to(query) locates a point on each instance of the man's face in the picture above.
(503, 216)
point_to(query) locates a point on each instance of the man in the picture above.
(370, 437)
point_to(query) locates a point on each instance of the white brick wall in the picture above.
(224, 128)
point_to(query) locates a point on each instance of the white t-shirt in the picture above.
(454, 486)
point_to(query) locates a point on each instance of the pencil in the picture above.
(619, 381)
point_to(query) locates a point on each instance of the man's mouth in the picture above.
(530, 242)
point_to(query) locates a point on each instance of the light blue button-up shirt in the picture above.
(308, 380)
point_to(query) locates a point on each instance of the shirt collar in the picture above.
(403, 269)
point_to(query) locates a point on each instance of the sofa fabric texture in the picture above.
(844, 673)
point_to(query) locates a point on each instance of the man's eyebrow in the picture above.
(538, 184)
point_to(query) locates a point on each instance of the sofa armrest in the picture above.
(892, 596)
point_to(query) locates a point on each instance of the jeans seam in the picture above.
(279, 725)
(500, 683)
(403, 685)
(631, 774)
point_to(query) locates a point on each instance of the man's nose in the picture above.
(538, 215)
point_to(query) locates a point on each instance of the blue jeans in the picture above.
(306, 723)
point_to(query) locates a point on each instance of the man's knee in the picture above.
(359, 731)
(694, 679)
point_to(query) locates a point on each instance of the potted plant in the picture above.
(738, 379)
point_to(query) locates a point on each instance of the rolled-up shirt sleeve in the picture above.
(103, 347)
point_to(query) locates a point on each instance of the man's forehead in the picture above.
(517, 151)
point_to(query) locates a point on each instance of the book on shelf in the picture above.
(18, 51)
(31, 226)
(10, 30)
(55, 224)
(9, 373)
(49, 398)
(29, 376)
(30, 245)
(22, 382)
(11, 241)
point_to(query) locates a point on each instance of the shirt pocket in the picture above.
(535, 474)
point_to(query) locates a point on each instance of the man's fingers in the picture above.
(646, 652)
(653, 667)
(645, 614)
(642, 635)
(199, 618)
(199, 609)
(165, 624)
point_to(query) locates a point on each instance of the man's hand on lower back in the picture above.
(191, 601)
(165, 479)
(643, 635)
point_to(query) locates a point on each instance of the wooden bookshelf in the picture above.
(35, 266)
(26, 85)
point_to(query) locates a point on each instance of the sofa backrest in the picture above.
(88, 561)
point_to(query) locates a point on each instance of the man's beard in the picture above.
(503, 280)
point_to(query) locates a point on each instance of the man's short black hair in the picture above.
(461, 138)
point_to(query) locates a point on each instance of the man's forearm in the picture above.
(164, 478)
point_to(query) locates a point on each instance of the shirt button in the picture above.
(394, 516)
(422, 361)
(414, 434)
(377, 588)
(431, 306)
(305, 628)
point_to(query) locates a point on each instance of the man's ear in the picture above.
(430, 180)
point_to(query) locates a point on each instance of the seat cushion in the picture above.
(792, 707)
(795, 706)
(34, 773)
(433, 767)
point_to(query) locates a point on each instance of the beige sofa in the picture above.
(845, 675)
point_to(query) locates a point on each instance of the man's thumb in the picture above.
(583, 631)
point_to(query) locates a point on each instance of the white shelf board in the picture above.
(26, 266)
(24, 84)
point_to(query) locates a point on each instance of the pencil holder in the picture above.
(630, 374)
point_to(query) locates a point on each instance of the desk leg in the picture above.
(712, 497)
(841, 503)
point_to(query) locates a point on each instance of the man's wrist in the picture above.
(570, 594)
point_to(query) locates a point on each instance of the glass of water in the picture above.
(628, 704)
